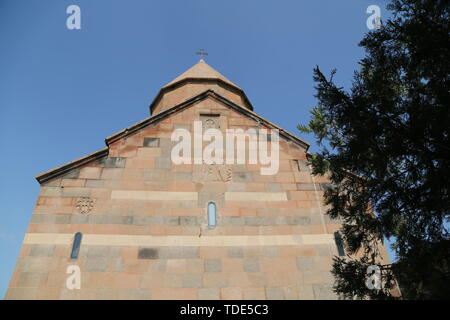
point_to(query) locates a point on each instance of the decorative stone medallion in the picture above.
(210, 121)
(84, 205)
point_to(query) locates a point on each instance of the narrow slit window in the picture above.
(339, 243)
(212, 214)
(76, 245)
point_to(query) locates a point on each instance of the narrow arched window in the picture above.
(76, 245)
(212, 214)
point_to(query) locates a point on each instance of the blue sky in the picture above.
(63, 91)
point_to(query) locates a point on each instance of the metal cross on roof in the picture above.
(201, 53)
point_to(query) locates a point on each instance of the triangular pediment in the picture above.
(153, 120)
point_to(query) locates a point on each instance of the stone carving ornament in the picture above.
(213, 173)
(84, 205)
(209, 122)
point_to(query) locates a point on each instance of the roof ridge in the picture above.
(201, 70)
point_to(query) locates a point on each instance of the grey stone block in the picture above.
(51, 191)
(111, 219)
(112, 162)
(290, 292)
(182, 126)
(288, 195)
(251, 265)
(106, 294)
(79, 218)
(97, 264)
(326, 186)
(140, 220)
(157, 220)
(208, 294)
(92, 183)
(171, 221)
(148, 253)
(265, 221)
(97, 219)
(329, 220)
(270, 252)
(205, 197)
(173, 280)
(316, 218)
(72, 174)
(166, 143)
(138, 294)
(256, 252)
(323, 292)
(163, 163)
(188, 221)
(213, 265)
(307, 186)
(34, 264)
(302, 165)
(62, 218)
(21, 293)
(182, 176)
(83, 252)
(75, 192)
(274, 293)
(242, 176)
(305, 292)
(127, 220)
(157, 266)
(156, 174)
(236, 187)
(305, 263)
(151, 142)
(98, 251)
(39, 218)
(235, 252)
(274, 187)
(166, 151)
(42, 250)
(178, 252)
(320, 277)
(323, 250)
(298, 220)
(234, 221)
(257, 279)
(117, 265)
(192, 281)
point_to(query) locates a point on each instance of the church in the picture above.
(129, 222)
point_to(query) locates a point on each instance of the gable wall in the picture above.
(271, 240)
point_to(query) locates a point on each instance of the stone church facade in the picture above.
(136, 224)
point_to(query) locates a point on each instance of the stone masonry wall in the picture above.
(145, 233)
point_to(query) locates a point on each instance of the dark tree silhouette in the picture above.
(386, 145)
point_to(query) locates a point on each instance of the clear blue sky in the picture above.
(63, 91)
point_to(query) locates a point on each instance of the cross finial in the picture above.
(201, 53)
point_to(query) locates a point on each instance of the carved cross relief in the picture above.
(211, 172)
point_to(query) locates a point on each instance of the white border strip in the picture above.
(181, 241)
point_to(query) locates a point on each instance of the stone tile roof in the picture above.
(201, 70)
